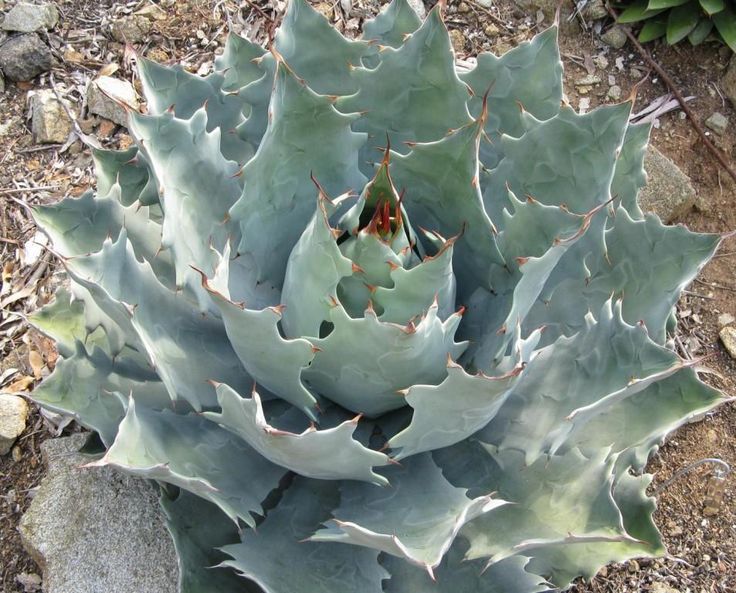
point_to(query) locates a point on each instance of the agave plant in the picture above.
(374, 321)
(676, 20)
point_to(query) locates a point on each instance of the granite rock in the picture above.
(669, 192)
(49, 121)
(96, 529)
(728, 337)
(13, 416)
(105, 95)
(24, 57)
(131, 29)
(26, 18)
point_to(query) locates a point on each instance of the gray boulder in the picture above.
(669, 193)
(24, 57)
(95, 529)
(26, 18)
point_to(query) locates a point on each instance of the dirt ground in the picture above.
(702, 547)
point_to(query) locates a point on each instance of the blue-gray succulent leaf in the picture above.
(193, 453)
(456, 573)
(315, 268)
(174, 90)
(166, 325)
(240, 64)
(328, 454)
(391, 26)
(416, 517)
(421, 81)
(278, 195)
(364, 363)
(629, 176)
(279, 554)
(452, 411)
(85, 385)
(131, 170)
(527, 78)
(197, 188)
(327, 62)
(443, 195)
(198, 528)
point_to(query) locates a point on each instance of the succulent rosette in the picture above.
(376, 322)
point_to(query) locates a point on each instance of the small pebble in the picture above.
(601, 61)
(458, 41)
(614, 92)
(589, 80)
(718, 123)
(725, 318)
(614, 37)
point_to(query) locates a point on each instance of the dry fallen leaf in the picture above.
(108, 70)
(124, 141)
(34, 248)
(6, 374)
(21, 384)
(73, 56)
(50, 354)
(106, 128)
(8, 270)
(36, 361)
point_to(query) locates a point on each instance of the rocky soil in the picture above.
(61, 63)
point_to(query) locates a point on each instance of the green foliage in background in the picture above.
(675, 20)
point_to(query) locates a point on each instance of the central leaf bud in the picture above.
(378, 239)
